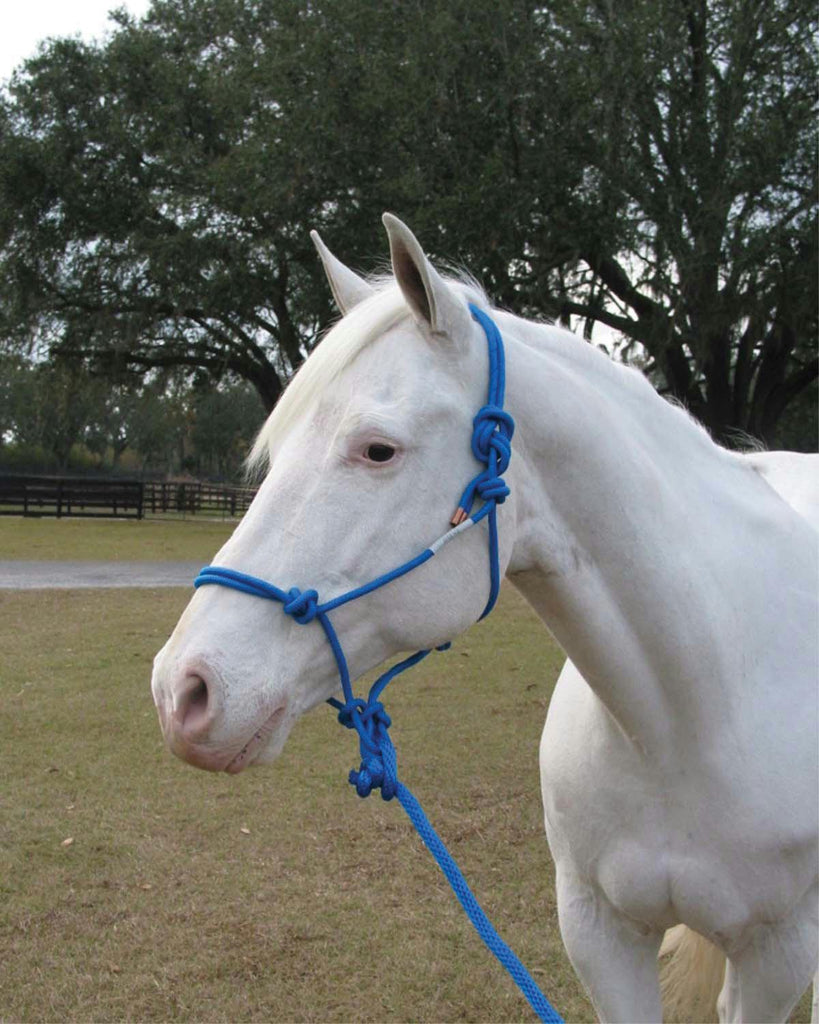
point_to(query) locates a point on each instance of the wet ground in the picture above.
(19, 575)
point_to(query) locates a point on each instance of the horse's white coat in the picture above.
(679, 758)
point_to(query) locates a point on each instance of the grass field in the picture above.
(327, 907)
(135, 888)
(111, 539)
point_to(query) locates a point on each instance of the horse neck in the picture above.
(629, 527)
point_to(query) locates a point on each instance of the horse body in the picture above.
(794, 476)
(679, 757)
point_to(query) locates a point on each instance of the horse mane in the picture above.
(352, 333)
(385, 309)
(632, 383)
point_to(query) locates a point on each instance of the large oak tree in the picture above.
(645, 164)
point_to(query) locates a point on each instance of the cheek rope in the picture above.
(492, 432)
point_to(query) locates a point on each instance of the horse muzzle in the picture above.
(193, 721)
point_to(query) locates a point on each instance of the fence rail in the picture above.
(163, 498)
(111, 497)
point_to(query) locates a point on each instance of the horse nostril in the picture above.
(192, 709)
(198, 696)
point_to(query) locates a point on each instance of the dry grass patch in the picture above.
(111, 539)
(328, 908)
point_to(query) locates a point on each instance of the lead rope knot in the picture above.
(302, 605)
(378, 768)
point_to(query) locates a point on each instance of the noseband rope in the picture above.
(491, 444)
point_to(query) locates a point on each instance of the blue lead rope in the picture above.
(491, 444)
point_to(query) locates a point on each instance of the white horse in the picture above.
(679, 757)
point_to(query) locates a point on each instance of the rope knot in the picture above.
(346, 711)
(493, 488)
(492, 431)
(370, 720)
(302, 605)
(373, 775)
(378, 769)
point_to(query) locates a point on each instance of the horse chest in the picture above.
(659, 851)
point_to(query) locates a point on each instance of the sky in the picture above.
(25, 22)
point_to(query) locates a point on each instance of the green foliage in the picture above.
(47, 406)
(225, 422)
(798, 430)
(645, 165)
(56, 416)
(701, 151)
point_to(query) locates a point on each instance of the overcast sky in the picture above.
(25, 22)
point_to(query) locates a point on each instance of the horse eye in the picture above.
(380, 452)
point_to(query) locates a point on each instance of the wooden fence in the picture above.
(112, 497)
(167, 498)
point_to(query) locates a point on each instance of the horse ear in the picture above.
(347, 287)
(430, 298)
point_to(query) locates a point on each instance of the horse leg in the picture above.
(728, 1001)
(615, 958)
(776, 966)
(814, 1010)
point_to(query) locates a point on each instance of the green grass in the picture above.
(111, 539)
(330, 908)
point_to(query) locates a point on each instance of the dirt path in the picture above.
(21, 575)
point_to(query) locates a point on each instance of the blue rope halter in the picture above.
(491, 444)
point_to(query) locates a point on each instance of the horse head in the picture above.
(367, 453)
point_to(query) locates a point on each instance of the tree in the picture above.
(112, 428)
(699, 233)
(159, 423)
(225, 421)
(48, 406)
(134, 230)
(12, 371)
(647, 165)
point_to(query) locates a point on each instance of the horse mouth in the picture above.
(255, 744)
